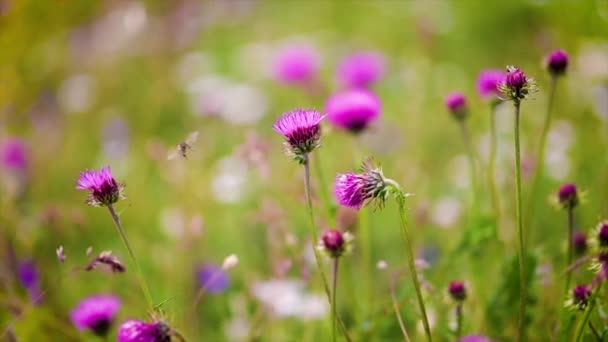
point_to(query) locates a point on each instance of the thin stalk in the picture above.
(412, 266)
(570, 245)
(520, 230)
(492, 164)
(540, 156)
(406, 337)
(313, 230)
(598, 337)
(466, 137)
(458, 320)
(590, 307)
(125, 241)
(323, 189)
(334, 301)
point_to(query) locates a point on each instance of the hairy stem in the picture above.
(315, 238)
(520, 230)
(125, 241)
(412, 265)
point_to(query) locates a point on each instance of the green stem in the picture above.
(492, 164)
(406, 337)
(520, 230)
(597, 335)
(323, 190)
(570, 245)
(590, 307)
(315, 238)
(412, 265)
(458, 320)
(123, 235)
(540, 156)
(334, 301)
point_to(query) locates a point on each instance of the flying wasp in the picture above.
(183, 147)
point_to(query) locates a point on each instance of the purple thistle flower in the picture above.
(357, 189)
(602, 234)
(580, 296)
(457, 290)
(579, 242)
(96, 313)
(140, 331)
(213, 278)
(302, 131)
(14, 154)
(104, 190)
(353, 110)
(361, 69)
(567, 196)
(296, 64)
(456, 103)
(557, 62)
(517, 86)
(335, 243)
(488, 82)
(474, 338)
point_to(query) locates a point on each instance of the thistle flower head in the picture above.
(567, 196)
(353, 110)
(13, 154)
(140, 331)
(517, 86)
(358, 189)
(96, 313)
(335, 243)
(602, 234)
(579, 298)
(488, 82)
(457, 290)
(579, 242)
(456, 103)
(302, 131)
(296, 64)
(557, 62)
(103, 189)
(213, 278)
(361, 69)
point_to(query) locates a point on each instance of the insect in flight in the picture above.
(182, 148)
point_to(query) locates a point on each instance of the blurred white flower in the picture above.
(288, 298)
(446, 212)
(230, 181)
(191, 66)
(244, 105)
(77, 93)
(172, 222)
(231, 261)
(600, 94)
(559, 139)
(592, 60)
(237, 329)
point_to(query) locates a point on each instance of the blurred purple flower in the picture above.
(456, 103)
(602, 233)
(361, 69)
(30, 280)
(579, 241)
(296, 64)
(335, 243)
(457, 290)
(567, 196)
(557, 62)
(580, 296)
(140, 331)
(474, 338)
(488, 81)
(104, 190)
(353, 110)
(213, 278)
(302, 131)
(95, 313)
(14, 154)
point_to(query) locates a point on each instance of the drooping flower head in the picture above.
(456, 103)
(335, 243)
(361, 69)
(104, 189)
(488, 82)
(302, 131)
(296, 64)
(579, 242)
(213, 278)
(140, 331)
(517, 86)
(96, 313)
(602, 234)
(358, 189)
(13, 154)
(567, 196)
(457, 290)
(474, 338)
(353, 110)
(557, 62)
